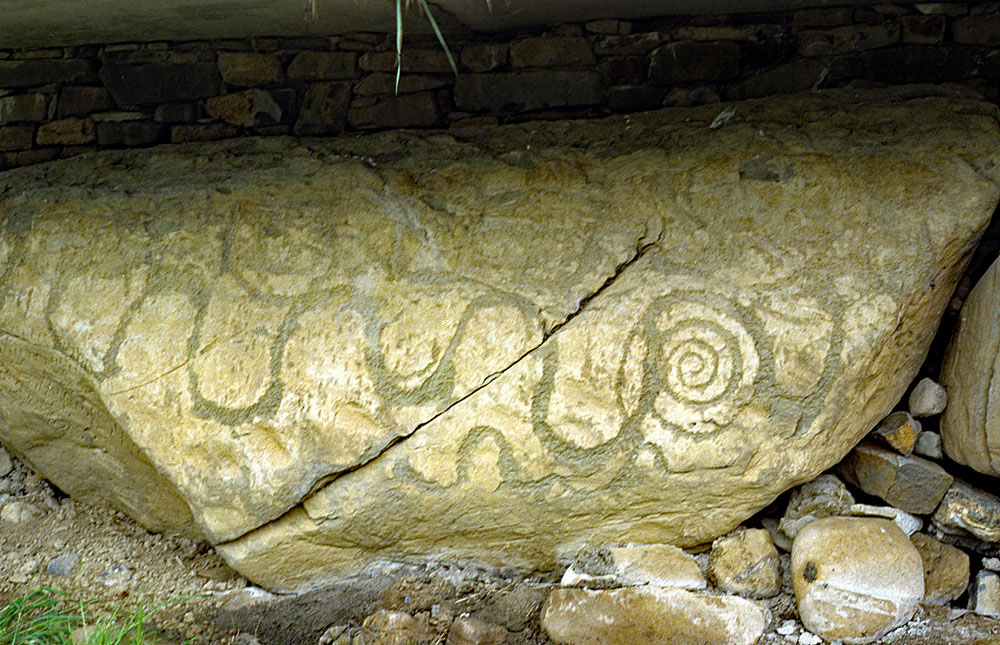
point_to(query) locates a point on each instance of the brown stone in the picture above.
(941, 8)
(688, 62)
(16, 137)
(977, 30)
(24, 107)
(843, 40)
(322, 66)
(745, 562)
(547, 52)
(834, 17)
(82, 100)
(946, 569)
(386, 627)
(418, 110)
(324, 109)
(898, 431)
(923, 30)
(247, 108)
(250, 69)
(66, 132)
(432, 61)
(36, 73)
(526, 91)
(910, 484)
(484, 57)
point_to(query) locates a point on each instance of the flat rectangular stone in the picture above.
(154, 83)
(248, 69)
(724, 32)
(35, 73)
(834, 17)
(910, 484)
(413, 60)
(322, 66)
(525, 91)
(977, 30)
(82, 100)
(130, 133)
(484, 57)
(920, 63)
(324, 109)
(843, 40)
(16, 137)
(24, 107)
(403, 111)
(923, 30)
(385, 83)
(548, 51)
(690, 62)
(66, 132)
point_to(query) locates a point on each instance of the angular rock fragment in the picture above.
(929, 445)
(494, 348)
(927, 399)
(984, 596)
(824, 496)
(661, 565)
(907, 523)
(899, 431)
(651, 615)
(840, 596)
(946, 569)
(966, 509)
(746, 563)
(910, 484)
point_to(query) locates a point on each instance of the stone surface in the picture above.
(908, 524)
(427, 61)
(898, 431)
(946, 569)
(842, 40)
(927, 399)
(19, 512)
(24, 107)
(970, 425)
(651, 615)
(745, 562)
(692, 62)
(202, 132)
(911, 484)
(542, 51)
(324, 109)
(825, 496)
(386, 627)
(81, 101)
(838, 597)
(929, 445)
(36, 73)
(484, 57)
(984, 595)
(246, 108)
(66, 132)
(467, 630)
(418, 110)
(923, 30)
(661, 565)
(153, 83)
(322, 66)
(977, 30)
(524, 91)
(63, 565)
(380, 83)
(129, 133)
(250, 69)
(6, 463)
(497, 349)
(966, 509)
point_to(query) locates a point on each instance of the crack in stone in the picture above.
(640, 251)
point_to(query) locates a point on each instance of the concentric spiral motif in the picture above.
(704, 364)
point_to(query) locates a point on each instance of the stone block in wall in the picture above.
(322, 66)
(248, 69)
(624, 70)
(834, 17)
(608, 26)
(71, 131)
(16, 137)
(484, 57)
(247, 108)
(548, 51)
(692, 62)
(403, 111)
(724, 32)
(413, 60)
(526, 91)
(202, 132)
(324, 109)
(635, 98)
(154, 83)
(130, 133)
(841, 40)
(35, 73)
(385, 83)
(36, 54)
(977, 30)
(941, 8)
(690, 96)
(632, 45)
(767, 53)
(920, 63)
(923, 30)
(175, 113)
(82, 100)
(299, 43)
(990, 66)
(24, 107)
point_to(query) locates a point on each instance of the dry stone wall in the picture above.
(64, 101)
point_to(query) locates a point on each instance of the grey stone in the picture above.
(843, 40)
(651, 615)
(118, 115)
(418, 110)
(908, 524)
(660, 565)
(154, 83)
(322, 66)
(745, 562)
(250, 69)
(384, 83)
(911, 484)
(976, 30)
(336, 635)
(526, 91)
(63, 565)
(824, 496)
(24, 107)
(547, 52)
(130, 133)
(35, 73)
(82, 101)
(898, 431)
(484, 57)
(984, 595)
(691, 62)
(324, 109)
(927, 399)
(941, 8)
(968, 509)
(946, 569)
(16, 137)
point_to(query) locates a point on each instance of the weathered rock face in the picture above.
(970, 426)
(494, 344)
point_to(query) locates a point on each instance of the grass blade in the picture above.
(399, 41)
(440, 37)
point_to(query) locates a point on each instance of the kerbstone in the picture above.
(496, 346)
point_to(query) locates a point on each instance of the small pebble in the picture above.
(63, 565)
(927, 399)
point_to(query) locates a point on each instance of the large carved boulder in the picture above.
(493, 344)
